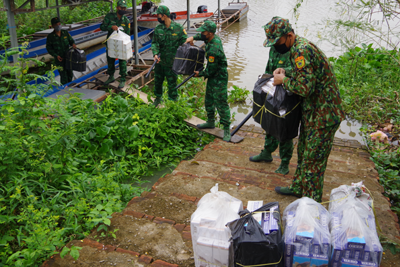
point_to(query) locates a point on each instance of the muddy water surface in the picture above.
(243, 43)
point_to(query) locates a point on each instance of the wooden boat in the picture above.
(233, 8)
(150, 20)
(95, 62)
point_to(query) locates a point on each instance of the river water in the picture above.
(243, 43)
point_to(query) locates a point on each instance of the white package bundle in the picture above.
(355, 241)
(306, 237)
(343, 193)
(119, 46)
(269, 87)
(210, 236)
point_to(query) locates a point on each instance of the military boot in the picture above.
(286, 191)
(157, 101)
(110, 80)
(283, 168)
(263, 156)
(207, 125)
(121, 83)
(227, 135)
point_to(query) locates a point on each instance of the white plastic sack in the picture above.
(119, 46)
(210, 236)
(307, 236)
(339, 196)
(354, 237)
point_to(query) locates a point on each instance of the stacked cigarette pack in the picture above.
(307, 237)
(210, 237)
(119, 46)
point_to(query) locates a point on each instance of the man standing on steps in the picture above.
(217, 74)
(168, 36)
(275, 61)
(313, 79)
(57, 44)
(111, 23)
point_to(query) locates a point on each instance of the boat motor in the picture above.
(202, 9)
(146, 6)
(173, 16)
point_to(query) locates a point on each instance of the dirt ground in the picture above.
(154, 229)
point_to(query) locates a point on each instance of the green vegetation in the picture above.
(64, 162)
(369, 81)
(238, 95)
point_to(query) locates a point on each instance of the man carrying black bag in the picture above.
(276, 60)
(313, 79)
(57, 44)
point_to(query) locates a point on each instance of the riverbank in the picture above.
(154, 229)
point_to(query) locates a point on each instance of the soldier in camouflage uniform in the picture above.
(57, 44)
(111, 23)
(275, 61)
(168, 36)
(217, 74)
(313, 79)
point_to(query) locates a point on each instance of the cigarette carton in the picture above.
(205, 249)
(272, 221)
(265, 223)
(221, 252)
(255, 205)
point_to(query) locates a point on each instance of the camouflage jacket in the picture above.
(59, 45)
(111, 19)
(314, 80)
(217, 65)
(277, 60)
(167, 40)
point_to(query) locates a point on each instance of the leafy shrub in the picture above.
(238, 95)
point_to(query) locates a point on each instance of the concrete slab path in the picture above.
(154, 229)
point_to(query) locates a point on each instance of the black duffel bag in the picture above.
(75, 59)
(278, 114)
(188, 59)
(250, 246)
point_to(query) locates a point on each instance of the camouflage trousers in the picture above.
(111, 67)
(312, 151)
(66, 76)
(285, 148)
(160, 73)
(217, 97)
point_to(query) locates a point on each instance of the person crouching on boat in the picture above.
(217, 74)
(111, 23)
(276, 60)
(57, 44)
(168, 36)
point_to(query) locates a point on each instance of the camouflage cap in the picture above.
(163, 10)
(122, 3)
(209, 26)
(55, 20)
(275, 29)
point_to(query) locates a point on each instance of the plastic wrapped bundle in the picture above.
(75, 59)
(340, 195)
(119, 46)
(355, 241)
(188, 59)
(307, 237)
(276, 109)
(252, 246)
(210, 236)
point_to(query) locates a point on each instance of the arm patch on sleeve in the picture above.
(211, 59)
(300, 62)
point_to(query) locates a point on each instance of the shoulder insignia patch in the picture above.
(184, 31)
(123, 25)
(300, 62)
(211, 59)
(174, 34)
(65, 37)
(280, 62)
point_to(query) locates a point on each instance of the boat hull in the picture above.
(150, 21)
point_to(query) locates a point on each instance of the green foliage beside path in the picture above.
(369, 81)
